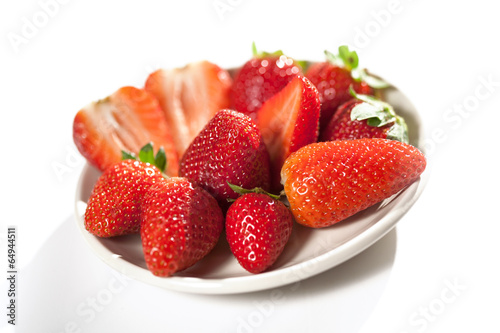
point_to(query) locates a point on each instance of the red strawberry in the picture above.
(333, 79)
(289, 121)
(190, 97)
(365, 117)
(126, 120)
(257, 230)
(181, 223)
(228, 149)
(327, 182)
(113, 208)
(260, 78)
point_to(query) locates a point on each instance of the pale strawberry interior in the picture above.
(281, 109)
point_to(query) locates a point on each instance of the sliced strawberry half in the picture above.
(124, 121)
(190, 97)
(288, 121)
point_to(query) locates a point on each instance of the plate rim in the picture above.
(262, 281)
(269, 279)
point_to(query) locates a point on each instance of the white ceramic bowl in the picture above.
(309, 251)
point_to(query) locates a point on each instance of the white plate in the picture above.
(309, 251)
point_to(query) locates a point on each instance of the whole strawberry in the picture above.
(229, 149)
(365, 117)
(334, 77)
(257, 230)
(113, 208)
(260, 78)
(181, 223)
(327, 182)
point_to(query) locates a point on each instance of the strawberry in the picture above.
(113, 208)
(289, 121)
(334, 77)
(365, 117)
(228, 149)
(258, 227)
(190, 97)
(181, 223)
(327, 182)
(260, 78)
(126, 120)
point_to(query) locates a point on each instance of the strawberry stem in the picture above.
(240, 190)
(349, 60)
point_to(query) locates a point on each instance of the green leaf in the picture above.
(147, 154)
(333, 59)
(374, 82)
(128, 156)
(374, 114)
(254, 49)
(161, 159)
(263, 54)
(304, 64)
(377, 113)
(349, 58)
(399, 131)
(240, 190)
(346, 59)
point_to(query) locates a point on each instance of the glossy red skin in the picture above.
(181, 224)
(327, 182)
(259, 79)
(257, 229)
(333, 84)
(285, 129)
(229, 149)
(341, 127)
(126, 120)
(113, 208)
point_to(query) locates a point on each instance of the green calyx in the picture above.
(240, 190)
(263, 54)
(349, 60)
(303, 64)
(147, 155)
(377, 114)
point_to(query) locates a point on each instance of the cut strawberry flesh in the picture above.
(190, 97)
(289, 121)
(126, 120)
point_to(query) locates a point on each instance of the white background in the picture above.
(436, 272)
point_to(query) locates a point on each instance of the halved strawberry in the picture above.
(289, 121)
(260, 78)
(123, 121)
(190, 97)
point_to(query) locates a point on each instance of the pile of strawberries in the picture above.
(200, 151)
